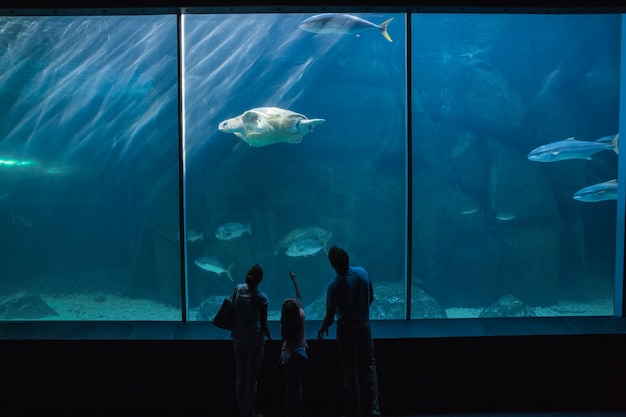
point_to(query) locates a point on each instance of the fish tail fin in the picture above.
(383, 29)
(249, 228)
(228, 272)
(615, 143)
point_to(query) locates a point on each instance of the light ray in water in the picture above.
(80, 92)
(222, 60)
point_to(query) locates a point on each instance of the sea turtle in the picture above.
(265, 126)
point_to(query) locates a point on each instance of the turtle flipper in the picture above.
(307, 125)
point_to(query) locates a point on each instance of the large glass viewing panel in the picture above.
(510, 218)
(269, 183)
(294, 140)
(89, 168)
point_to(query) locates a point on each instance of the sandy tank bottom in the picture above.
(79, 305)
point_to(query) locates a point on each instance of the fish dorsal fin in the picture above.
(572, 138)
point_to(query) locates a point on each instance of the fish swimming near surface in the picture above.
(211, 264)
(314, 233)
(305, 247)
(598, 192)
(343, 24)
(573, 149)
(229, 231)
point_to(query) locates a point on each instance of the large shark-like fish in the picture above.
(343, 24)
(598, 192)
(573, 149)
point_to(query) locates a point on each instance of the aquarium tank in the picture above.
(468, 161)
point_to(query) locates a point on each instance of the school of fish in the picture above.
(579, 149)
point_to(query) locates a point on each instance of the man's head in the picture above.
(339, 259)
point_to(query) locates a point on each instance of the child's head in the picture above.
(291, 324)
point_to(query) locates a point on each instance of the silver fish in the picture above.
(572, 149)
(343, 24)
(211, 264)
(505, 216)
(192, 235)
(598, 192)
(314, 233)
(229, 231)
(304, 247)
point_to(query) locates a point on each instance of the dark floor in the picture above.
(538, 414)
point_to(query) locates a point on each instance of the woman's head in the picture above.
(254, 276)
(291, 324)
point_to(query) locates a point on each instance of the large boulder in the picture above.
(495, 106)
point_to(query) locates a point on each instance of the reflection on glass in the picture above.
(502, 228)
(295, 140)
(88, 168)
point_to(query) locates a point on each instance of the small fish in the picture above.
(305, 247)
(598, 192)
(25, 220)
(229, 231)
(572, 149)
(469, 211)
(211, 264)
(505, 217)
(343, 24)
(192, 235)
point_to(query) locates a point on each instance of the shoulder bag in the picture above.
(225, 316)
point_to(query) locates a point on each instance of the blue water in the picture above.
(91, 104)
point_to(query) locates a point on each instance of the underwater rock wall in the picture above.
(492, 223)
